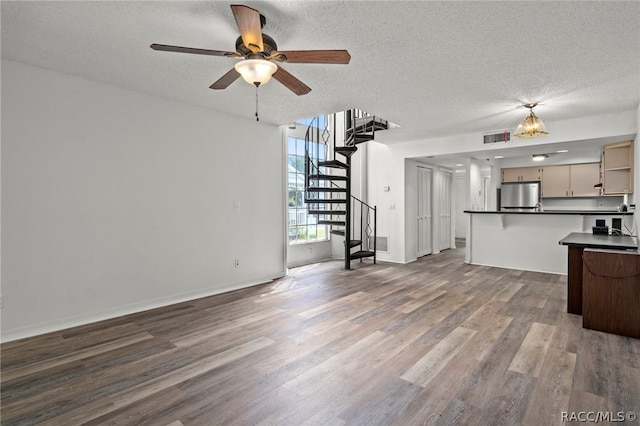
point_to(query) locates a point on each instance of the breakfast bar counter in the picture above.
(528, 240)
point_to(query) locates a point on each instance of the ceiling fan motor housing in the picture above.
(268, 43)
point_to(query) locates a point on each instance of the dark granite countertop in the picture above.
(555, 212)
(583, 239)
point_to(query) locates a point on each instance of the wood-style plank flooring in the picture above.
(433, 342)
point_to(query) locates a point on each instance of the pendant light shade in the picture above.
(531, 126)
(256, 71)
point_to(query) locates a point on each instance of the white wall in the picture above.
(411, 209)
(476, 189)
(306, 253)
(386, 169)
(115, 201)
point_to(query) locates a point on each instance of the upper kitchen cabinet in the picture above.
(617, 164)
(521, 174)
(570, 180)
(556, 181)
(583, 179)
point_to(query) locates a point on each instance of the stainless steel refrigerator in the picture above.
(519, 195)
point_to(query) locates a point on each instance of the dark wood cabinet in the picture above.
(577, 242)
(611, 292)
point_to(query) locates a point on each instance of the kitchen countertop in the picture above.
(584, 239)
(551, 212)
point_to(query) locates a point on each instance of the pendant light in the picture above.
(531, 126)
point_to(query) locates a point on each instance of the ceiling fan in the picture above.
(259, 52)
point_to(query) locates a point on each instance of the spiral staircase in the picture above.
(328, 184)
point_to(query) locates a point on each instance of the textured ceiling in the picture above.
(434, 68)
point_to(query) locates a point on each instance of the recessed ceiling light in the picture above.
(459, 165)
(560, 151)
(499, 156)
(539, 157)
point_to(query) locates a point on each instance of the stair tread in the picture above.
(362, 253)
(358, 139)
(337, 232)
(327, 177)
(355, 243)
(332, 222)
(347, 151)
(333, 163)
(363, 138)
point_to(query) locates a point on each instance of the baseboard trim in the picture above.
(516, 269)
(80, 320)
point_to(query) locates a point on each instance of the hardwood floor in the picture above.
(433, 342)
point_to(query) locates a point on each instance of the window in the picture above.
(302, 227)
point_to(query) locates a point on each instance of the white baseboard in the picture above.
(517, 269)
(75, 321)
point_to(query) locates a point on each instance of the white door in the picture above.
(486, 187)
(460, 206)
(444, 219)
(424, 211)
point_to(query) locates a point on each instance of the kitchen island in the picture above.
(577, 242)
(528, 240)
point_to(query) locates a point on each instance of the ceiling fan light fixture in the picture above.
(256, 71)
(531, 126)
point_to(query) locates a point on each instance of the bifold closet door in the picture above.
(424, 212)
(444, 218)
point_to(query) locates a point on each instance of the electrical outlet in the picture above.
(237, 263)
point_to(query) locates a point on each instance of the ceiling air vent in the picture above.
(503, 136)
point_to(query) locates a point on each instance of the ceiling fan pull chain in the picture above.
(257, 84)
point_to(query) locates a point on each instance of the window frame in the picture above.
(309, 231)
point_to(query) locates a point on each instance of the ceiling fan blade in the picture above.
(224, 81)
(180, 49)
(290, 82)
(315, 56)
(248, 21)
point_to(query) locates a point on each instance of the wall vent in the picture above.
(382, 244)
(503, 136)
